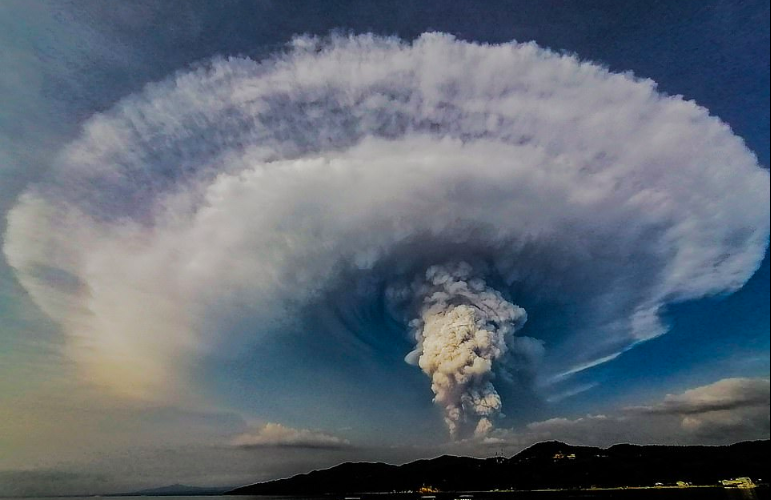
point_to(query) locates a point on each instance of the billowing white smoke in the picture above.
(463, 329)
(248, 192)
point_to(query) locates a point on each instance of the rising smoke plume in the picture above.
(457, 179)
(464, 328)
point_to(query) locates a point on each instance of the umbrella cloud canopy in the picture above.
(451, 181)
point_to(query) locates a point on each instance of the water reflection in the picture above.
(743, 494)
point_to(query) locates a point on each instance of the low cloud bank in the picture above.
(725, 412)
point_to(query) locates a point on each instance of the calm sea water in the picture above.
(663, 494)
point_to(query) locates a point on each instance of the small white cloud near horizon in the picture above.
(274, 435)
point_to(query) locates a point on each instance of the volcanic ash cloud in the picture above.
(248, 192)
(464, 328)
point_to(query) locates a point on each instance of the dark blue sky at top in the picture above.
(714, 52)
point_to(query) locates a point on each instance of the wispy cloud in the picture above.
(573, 391)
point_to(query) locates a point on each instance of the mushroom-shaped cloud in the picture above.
(455, 179)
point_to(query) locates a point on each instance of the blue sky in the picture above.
(197, 239)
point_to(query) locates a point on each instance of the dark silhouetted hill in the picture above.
(544, 465)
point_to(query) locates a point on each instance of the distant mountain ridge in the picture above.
(178, 490)
(549, 464)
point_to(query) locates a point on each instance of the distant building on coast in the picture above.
(739, 482)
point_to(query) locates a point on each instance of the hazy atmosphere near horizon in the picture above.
(246, 239)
